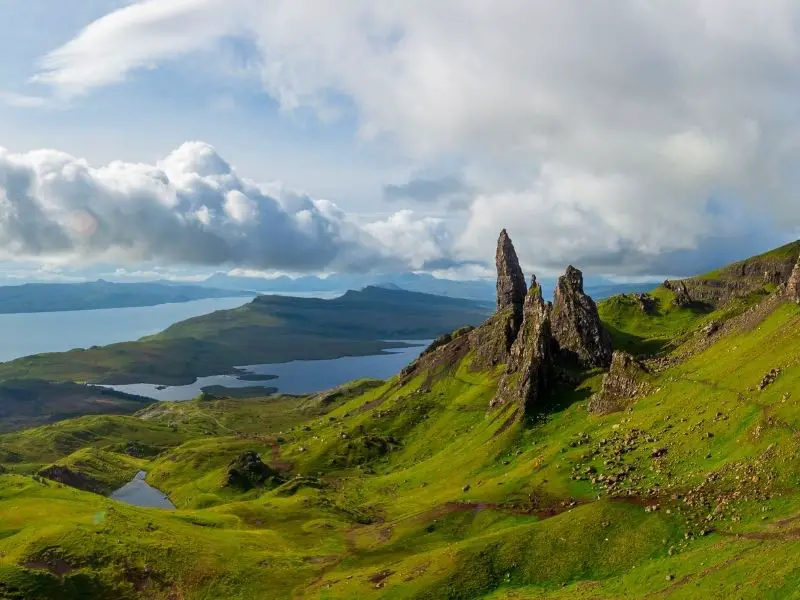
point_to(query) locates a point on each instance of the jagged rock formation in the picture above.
(511, 289)
(576, 325)
(626, 380)
(530, 358)
(247, 471)
(793, 286)
(492, 341)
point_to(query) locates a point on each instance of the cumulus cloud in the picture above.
(600, 130)
(192, 208)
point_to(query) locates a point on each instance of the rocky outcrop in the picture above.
(511, 289)
(578, 332)
(682, 297)
(793, 285)
(529, 362)
(247, 471)
(625, 380)
(67, 476)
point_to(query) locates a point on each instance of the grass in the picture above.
(411, 488)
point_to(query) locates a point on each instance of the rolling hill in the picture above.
(520, 459)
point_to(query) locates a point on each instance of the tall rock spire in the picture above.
(511, 288)
(576, 324)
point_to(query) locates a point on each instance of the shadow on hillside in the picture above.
(634, 344)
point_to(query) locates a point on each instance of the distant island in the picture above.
(58, 297)
(270, 329)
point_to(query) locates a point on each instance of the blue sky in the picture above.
(183, 137)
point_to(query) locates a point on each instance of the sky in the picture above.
(177, 138)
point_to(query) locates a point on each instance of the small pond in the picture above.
(140, 493)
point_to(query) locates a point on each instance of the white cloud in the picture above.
(598, 130)
(192, 208)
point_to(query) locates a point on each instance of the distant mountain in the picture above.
(56, 297)
(474, 289)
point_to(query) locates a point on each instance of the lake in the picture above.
(35, 333)
(140, 493)
(295, 377)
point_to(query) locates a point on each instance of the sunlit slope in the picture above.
(413, 488)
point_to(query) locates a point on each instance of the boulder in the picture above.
(529, 362)
(247, 471)
(576, 325)
(626, 379)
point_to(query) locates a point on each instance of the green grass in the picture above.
(414, 489)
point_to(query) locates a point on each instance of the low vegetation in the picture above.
(413, 488)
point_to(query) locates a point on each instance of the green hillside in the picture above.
(416, 488)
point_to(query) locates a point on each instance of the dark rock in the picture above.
(711, 328)
(626, 380)
(247, 471)
(67, 476)
(576, 324)
(769, 378)
(511, 288)
(793, 286)
(647, 304)
(530, 357)
(682, 297)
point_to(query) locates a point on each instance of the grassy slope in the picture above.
(415, 491)
(269, 329)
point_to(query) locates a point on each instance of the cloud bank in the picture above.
(192, 208)
(607, 133)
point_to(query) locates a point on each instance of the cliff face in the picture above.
(793, 286)
(577, 329)
(738, 279)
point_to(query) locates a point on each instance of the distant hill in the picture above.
(56, 297)
(269, 329)
(474, 289)
(30, 402)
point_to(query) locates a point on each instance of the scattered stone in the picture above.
(711, 328)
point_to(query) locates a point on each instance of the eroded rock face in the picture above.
(511, 288)
(576, 325)
(67, 476)
(529, 361)
(793, 286)
(247, 471)
(492, 341)
(625, 380)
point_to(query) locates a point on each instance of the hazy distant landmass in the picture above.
(269, 329)
(473, 289)
(56, 297)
